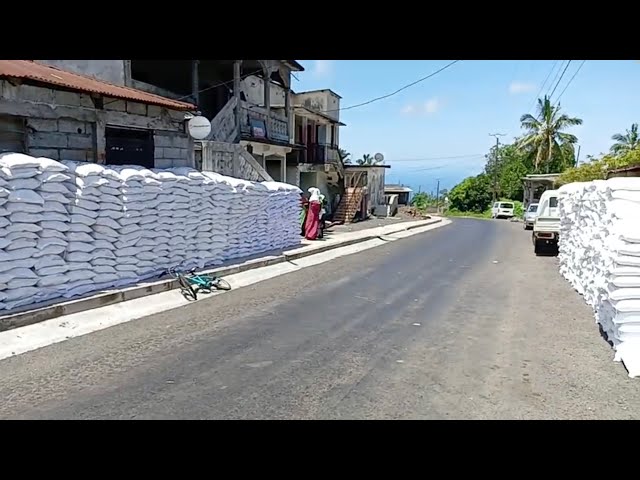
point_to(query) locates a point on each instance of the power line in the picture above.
(228, 82)
(435, 158)
(553, 67)
(555, 79)
(569, 82)
(563, 72)
(394, 93)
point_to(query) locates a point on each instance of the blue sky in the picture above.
(453, 113)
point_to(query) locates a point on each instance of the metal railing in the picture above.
(320, 154)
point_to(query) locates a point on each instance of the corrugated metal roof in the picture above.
(37, 72)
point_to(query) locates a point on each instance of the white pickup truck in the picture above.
(546, 228)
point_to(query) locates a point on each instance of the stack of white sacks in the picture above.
(70, 228)
(600, 256)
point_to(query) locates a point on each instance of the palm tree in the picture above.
(626, 142)
(367, 160)
(545, 138)
(344, 156)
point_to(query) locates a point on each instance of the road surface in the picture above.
(462, 322)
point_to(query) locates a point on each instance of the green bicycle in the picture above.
(192, 283)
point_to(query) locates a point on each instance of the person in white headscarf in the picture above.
(312, 223)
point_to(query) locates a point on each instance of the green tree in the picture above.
(507, 171)
(473, 194)
(344, 156)
(545, 138)
(626, 142)
(597, 168)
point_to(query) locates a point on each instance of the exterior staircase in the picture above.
(223, 126)
(349, 205)
(221, 152)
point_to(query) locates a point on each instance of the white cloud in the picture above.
(322, 68)
(408, 109)
(430, 106)
(521, 87)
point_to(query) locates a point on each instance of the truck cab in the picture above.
(546, 227)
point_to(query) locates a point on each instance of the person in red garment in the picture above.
(312, 223)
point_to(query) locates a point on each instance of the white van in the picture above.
(546, 227)
(502, 209)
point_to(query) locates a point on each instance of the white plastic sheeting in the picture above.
(600, 257)
(70, 228)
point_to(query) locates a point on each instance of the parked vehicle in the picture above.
(530, 216)
(546, 226)
(502, 210)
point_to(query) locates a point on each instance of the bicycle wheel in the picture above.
(186, 288)
(221, 284)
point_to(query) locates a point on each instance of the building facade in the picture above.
(50, 112)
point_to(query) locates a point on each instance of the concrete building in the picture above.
(403, 193)
(50, 112)
(315, 159)
(252, 127)
(364, 192)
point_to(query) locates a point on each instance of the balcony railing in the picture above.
(254, 120)
(320, 154)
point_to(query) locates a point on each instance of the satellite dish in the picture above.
(199, 127)
(378, 157)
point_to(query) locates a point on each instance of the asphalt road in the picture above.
(460, 322)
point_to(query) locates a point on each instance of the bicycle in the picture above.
(202, 283)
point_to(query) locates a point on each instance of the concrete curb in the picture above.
(50, 311)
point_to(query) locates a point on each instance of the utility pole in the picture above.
(495, 164)
(578, 157)
(438, 197)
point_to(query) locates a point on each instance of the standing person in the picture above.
(313, 214)
(303, 213)
(323, 212)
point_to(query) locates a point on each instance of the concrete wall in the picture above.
(109, 70)
(253, 88)
(375, 183)
(322, 100)
(67, 126)
(293, 175)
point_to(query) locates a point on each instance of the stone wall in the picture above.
(66, 125)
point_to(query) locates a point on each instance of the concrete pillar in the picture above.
(195, 81)
(283, 169)
(236, 91)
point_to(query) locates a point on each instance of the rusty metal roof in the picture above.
(38, 72)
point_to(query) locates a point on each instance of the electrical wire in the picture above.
(553, 67)
(393, 93)
(228, 82)
(560, 79)
(436, 158)
(569, 82)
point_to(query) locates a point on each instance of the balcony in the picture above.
(255, 123)
(320, 154)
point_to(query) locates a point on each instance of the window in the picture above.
(553, 202)
(506, 205)
(13, 134)
(333, 136)
(129, 146)
(533, 207)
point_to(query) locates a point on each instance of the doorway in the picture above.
(129, 146)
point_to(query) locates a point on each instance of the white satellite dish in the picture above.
(378, 157)
(199, 127)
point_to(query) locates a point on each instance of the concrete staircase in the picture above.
(349, 205)
(223, 126)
